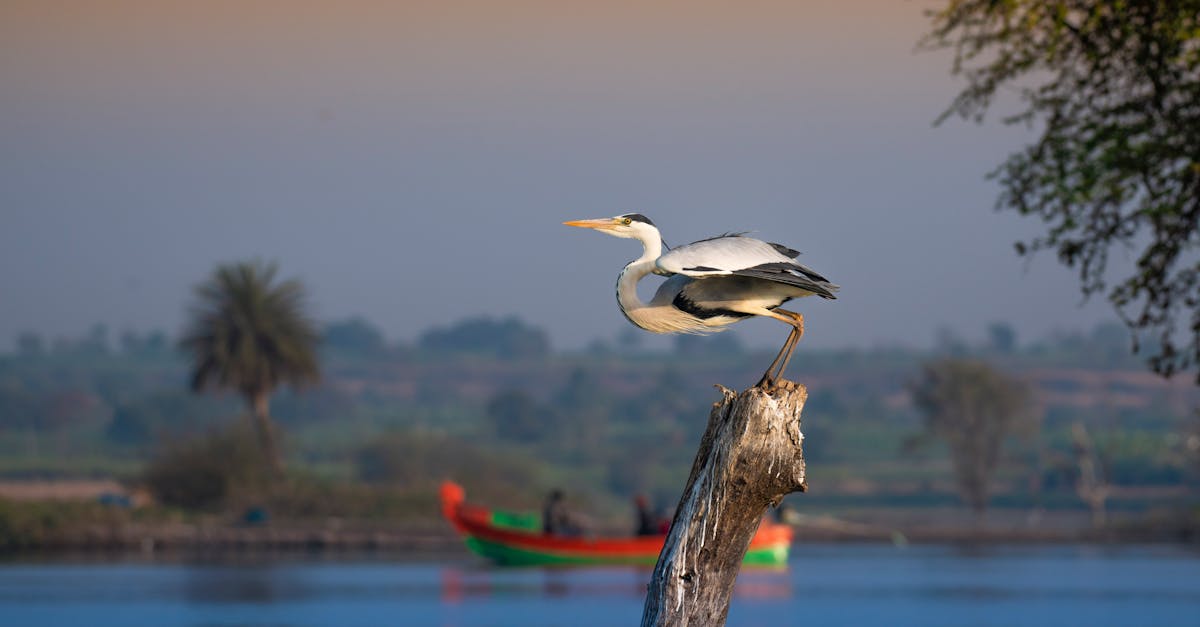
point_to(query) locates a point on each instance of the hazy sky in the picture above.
(412, 162)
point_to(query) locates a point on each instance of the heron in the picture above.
(712, 283)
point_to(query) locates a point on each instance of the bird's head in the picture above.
(630, 225)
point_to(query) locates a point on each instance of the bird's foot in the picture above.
(771, 384)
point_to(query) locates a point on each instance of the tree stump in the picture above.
(750, 457)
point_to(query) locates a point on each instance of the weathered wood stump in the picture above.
(751, 456)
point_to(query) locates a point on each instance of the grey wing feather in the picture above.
(719, 256)
(744, 256)
(792, 274)
(790, 253)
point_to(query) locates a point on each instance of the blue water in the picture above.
(824, 585)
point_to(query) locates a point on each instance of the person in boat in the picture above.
(647, 522)
(556, 519)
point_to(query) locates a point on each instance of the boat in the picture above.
(516, 539)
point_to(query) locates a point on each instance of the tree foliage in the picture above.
(1114, 88)
(509, 338)
(972, 408)
(204, 472)
(250, 334)
(354, 335)
(515, 415)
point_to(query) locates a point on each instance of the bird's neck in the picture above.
(627, 296)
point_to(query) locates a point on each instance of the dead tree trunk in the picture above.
(749, 459)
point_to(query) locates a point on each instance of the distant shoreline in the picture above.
(293, 538)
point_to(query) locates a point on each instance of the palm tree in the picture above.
(249, 333)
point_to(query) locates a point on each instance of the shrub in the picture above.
(204, 473)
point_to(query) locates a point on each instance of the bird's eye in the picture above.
(627, 221)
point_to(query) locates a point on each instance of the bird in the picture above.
(712, 283)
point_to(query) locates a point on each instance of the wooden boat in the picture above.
(516, 539)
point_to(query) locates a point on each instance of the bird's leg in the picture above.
(786, 353)
(775, 370)
(798, 330)
(768, 379)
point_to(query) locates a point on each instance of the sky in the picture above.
(412, 162)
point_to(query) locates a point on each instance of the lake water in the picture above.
(824, 585)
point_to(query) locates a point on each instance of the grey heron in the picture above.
(712, 283)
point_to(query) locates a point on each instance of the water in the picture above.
(824, 585)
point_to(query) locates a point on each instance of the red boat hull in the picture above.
(508, 545)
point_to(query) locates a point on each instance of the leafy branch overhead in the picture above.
(1114, 88)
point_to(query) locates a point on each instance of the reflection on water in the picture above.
(462, 584)
(824, 585)
(465, 584)
(254, 583)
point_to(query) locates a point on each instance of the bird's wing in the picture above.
(743, 256)
(790, 253)
(669, 289)
(792, 273)
(719, 256)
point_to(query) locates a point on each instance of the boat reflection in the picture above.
(462, 584)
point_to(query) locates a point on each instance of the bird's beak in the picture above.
(601, 223)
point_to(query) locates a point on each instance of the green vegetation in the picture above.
(1112, 88)
(389, 421)
(207, 472)
(972, 408)
(504, 339)
(39, 524)
(250, 335)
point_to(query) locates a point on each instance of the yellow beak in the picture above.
(601, 223)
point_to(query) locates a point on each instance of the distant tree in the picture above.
(30, 344)
(515, 415)
(582, 391)
(155, 342)
(1110, 340)
(972, 407)
(582, 408)
(663, 414)
(403, 458)
(19, 405)
(96, 342)
(1002, 338)
(173, 413)
(130, 342)
(65, 408)
(250, 333)
(948, 342)
(598, 347)
(134, 344)
(1112, 88)
(630, 339)
(509, 338)
(314, 404)
(129, 425)
(670, 400)
(354, 335)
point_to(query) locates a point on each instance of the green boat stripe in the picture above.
(513, 556)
